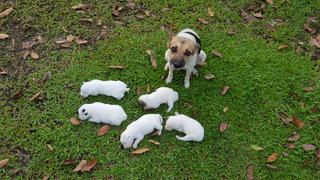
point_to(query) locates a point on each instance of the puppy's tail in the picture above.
(127, 89)
(176, 113)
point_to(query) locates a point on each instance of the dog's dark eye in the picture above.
(174, 49)
(83, 110)
(187, 53)
(86, 114)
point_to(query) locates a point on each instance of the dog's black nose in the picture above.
(178, 64)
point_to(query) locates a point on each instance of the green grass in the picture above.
(262, 80)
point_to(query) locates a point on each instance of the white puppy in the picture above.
(115, 89)
(192, 128)
(135, 131)
(102, 113)
(162, 95)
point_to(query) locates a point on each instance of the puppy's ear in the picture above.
(196, 48)
(170, 33)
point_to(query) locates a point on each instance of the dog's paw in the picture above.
(195, 72)
(168, 80)
(159, 133)
(186, 84)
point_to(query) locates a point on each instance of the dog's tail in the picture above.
(176, 113)
(127, 89)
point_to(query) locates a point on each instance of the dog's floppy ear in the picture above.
(196, 48)
(170, 35)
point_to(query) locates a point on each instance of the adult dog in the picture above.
(184, 53)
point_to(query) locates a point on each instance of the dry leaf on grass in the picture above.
(103, 130)
(200, 28)
(270, 1)
(13, 43)
(225, 109)
(271, 27)
(272, 157)
(315, 109)
(35, 97)
(286, 120)
(295, 137)
(285, 154)
(302, 105)
(146, 12)
(231, 32)
(131, 5)
(224, 90)
(49, 147)
(81, 41)
(117, 67)
(89, 165)
(165, 9)
(223, 126)
(203, 21)
(69, 161)
(202, 64)
(315, 42)
(140, 151)
(209, 76)
(309, 29)
(306, 163)
(211, 13)
(75, 121)
(154, 142)
(139, 90)
(65, 44)
(46, 76)
(152, 59)
(250, 172)
(3, 162)
(309, 147)
(283, 47)
(46, 177)
(17, 94)
(271, 166)
(4, 36)
(258, 15)
(250, 18)
(34, 55)
(81, 6)
(148, 88)
(297, 123)
(3, 72)
(6, 12)
(290, 146)
(70, 38)
(256, 148)
(80, 166)
(40, 39)
(155, 132)
(215, 52)
(308, 89)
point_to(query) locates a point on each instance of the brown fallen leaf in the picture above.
(81, 6)
(258, 15)
(40, 39)
(70, 85)
(223, 126)
(152, 59)
(302, 105)
(312, 19)
(314, 42)
(202, 64)
(6, 12)
(270, 1)
(140, 16)
(306, 163)
(308, 89)
(295, 137)
(209, 76)
(49, 147)
(215, 52)
(203, 21)
(139, 90)
(80, 166)
(80, 41)
(64, 44)
(269, 166)
(285, 154)
(250, 18)
(297, 123)
(131, 5)
(309, 147)
(17, 94)
(45, 177)
(89, 165)
(272, 157)
(315, 109)
(271, 27)
(75, 121)
(155, 132)
(230, 32)
(250, 172)
(35, 97)
(116, 12)
(225, 109)
(99, 22)
(46, 76)
(318, 153)
(309, 29)
(154, 142)
(290, 146)
(25, 54)
(146, 12)
(13, 43)
(4, 162)
(165, 9)
(200, 28)
(70, 38)
(69, 161)
(34, 55)
(148, 88)
(103, 130)
(211, 13)
(224, 90)
(286, 120)
(172, 27)
(283, 47)
(4, 36)
(140, 151)
(118, 67)
(3, 72)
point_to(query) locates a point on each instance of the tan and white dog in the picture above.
(184, 53)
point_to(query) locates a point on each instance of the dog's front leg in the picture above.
(136, 142)
(187, 78)
(170, 75)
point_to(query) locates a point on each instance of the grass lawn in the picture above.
(266, 85)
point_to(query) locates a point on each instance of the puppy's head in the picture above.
(83, 112)
(181, 49)
(144, 101)
(126, 140)
(170, 124)
(160, 118)
(85, 90)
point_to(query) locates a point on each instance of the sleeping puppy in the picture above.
(115, 89)
(184, 53)
(135, 131)
(162, 95)
(192, 128)
(102, 113)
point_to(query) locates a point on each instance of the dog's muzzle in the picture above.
(178, 64)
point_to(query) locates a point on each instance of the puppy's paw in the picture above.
(195, 72)
(168, 80)
(135, 146)
(186, 84)
(159, 133)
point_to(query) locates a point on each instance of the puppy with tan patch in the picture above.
(184, 53)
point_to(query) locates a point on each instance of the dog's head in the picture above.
(83, 112)
(181, 49)
(85, 89)
(170, 124)
(126, 140)
(144, 101)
